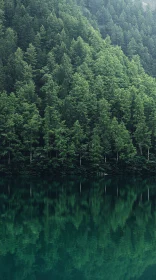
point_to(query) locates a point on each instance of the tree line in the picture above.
(70, 101)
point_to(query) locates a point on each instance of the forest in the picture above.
(77, 86)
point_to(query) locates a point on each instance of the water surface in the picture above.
(103, 229)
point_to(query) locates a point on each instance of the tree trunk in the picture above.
(148, 154)
(9, 156)
(80, 160)
(140, 148)
(80, 187)
(9, 159)
(31, 156)
(30, 191)
(105, 159)
(117, 156)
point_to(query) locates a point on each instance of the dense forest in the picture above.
(130, 24)
(77, 86)
(49, 231)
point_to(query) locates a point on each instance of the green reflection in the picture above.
(78, 229)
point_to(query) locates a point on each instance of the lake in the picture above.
(80, 229)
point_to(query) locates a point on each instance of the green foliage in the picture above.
(130, 24)
(71, 101)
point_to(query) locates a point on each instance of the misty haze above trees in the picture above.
(130, 25)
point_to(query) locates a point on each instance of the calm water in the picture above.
(78, 229)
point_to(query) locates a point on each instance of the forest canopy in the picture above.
(75, 97)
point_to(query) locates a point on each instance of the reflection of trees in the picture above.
(54, 229)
